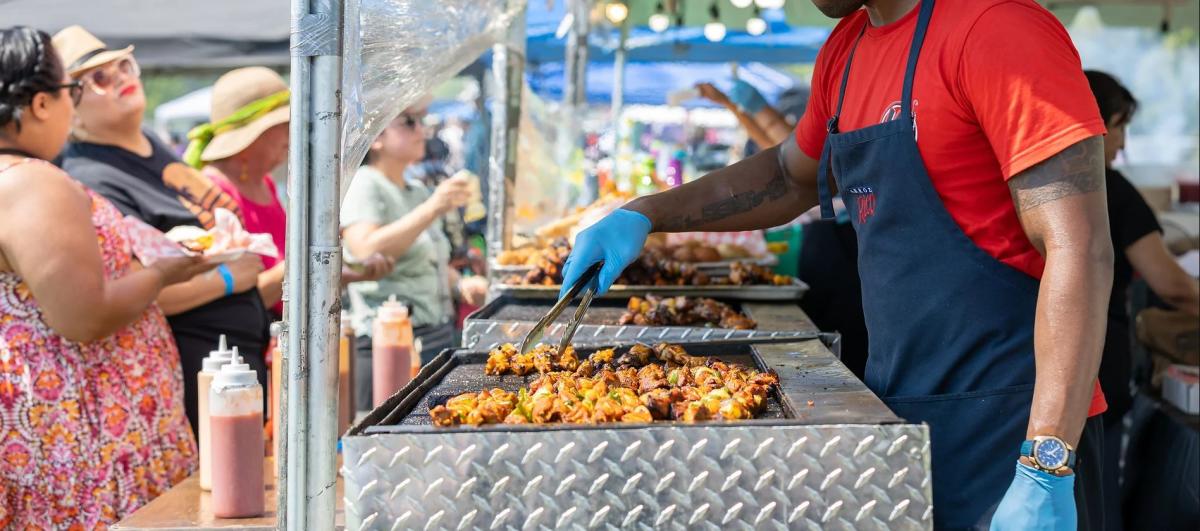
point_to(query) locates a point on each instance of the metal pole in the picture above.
(575, 93)
(312, 304)
(508, 69)
(618, 105)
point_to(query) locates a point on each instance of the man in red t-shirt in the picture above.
(967, 147)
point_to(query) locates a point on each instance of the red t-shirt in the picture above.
(998, 88)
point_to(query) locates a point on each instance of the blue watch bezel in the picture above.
(1029, 449)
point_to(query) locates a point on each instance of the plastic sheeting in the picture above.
(397, 50)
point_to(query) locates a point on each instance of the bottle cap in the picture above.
(392, 309)
(219, 357)
(236, 373)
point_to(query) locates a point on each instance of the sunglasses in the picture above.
(103, 78)
(75, 89)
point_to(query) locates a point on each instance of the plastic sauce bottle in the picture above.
(235, 404)
(213, 363)
(345, 375)
(275, 388)
(391, 351)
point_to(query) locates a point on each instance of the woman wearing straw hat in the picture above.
(143, 178)
(91, 420)
(246, 139)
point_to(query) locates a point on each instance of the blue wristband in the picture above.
(227, 276)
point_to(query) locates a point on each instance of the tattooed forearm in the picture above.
(733, 205)
(1078, 169)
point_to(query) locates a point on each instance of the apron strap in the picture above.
(824, 196)
(914, 51)
(831, 126)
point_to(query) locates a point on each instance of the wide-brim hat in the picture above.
(81, 51)
(233, 91)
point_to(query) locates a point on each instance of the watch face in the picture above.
(1050, 453)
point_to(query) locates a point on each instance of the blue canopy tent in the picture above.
(781, 44)
(650, 83)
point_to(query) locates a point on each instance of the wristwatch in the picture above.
(1049, 453)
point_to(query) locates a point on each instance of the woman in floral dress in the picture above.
(91, 416)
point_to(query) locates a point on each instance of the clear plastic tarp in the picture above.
(397, 50)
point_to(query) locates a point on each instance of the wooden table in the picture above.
(186, 507)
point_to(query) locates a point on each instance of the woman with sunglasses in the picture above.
(144, 179)
(385, 211)
(91, 412)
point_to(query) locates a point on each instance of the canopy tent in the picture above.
(781, 44)
(214, 34)
(222, 34)
(650, 83)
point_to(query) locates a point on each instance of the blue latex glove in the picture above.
(746, 97)
(1037, 500)
(617, 240)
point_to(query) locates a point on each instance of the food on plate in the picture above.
(194, 239)
(226, 236)
(683, 311)
(645, 384)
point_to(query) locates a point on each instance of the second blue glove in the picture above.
(617, 240)
(746, 97)
(1037, 501)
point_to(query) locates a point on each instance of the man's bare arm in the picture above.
(1061, 204)
(767, 189)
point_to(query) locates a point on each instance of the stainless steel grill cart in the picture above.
(827, 454)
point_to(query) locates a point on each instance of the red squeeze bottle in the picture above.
(236, 416)
(391, 351)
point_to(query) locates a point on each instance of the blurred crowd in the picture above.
(99, 354)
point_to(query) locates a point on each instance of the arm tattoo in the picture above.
(733, 205)
(1078, 169)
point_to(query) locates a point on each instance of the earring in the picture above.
(245, 176)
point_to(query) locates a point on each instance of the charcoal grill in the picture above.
(508, 319)
(827, 454)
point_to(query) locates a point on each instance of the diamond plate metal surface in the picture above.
(671, 477)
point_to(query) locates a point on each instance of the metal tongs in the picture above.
(589, 291)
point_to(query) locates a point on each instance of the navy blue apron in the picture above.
(951, 327)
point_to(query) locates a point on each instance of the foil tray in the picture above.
(837, 458)
(792, 292)
(720, 267)
(508, 319)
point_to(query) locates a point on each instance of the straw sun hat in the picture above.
(82, 51)
(235, 92)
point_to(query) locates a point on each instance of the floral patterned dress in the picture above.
(89, 432)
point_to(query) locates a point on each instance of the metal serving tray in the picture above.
(507, 319)
(791, 292)
(830, 456)
(720, 267)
